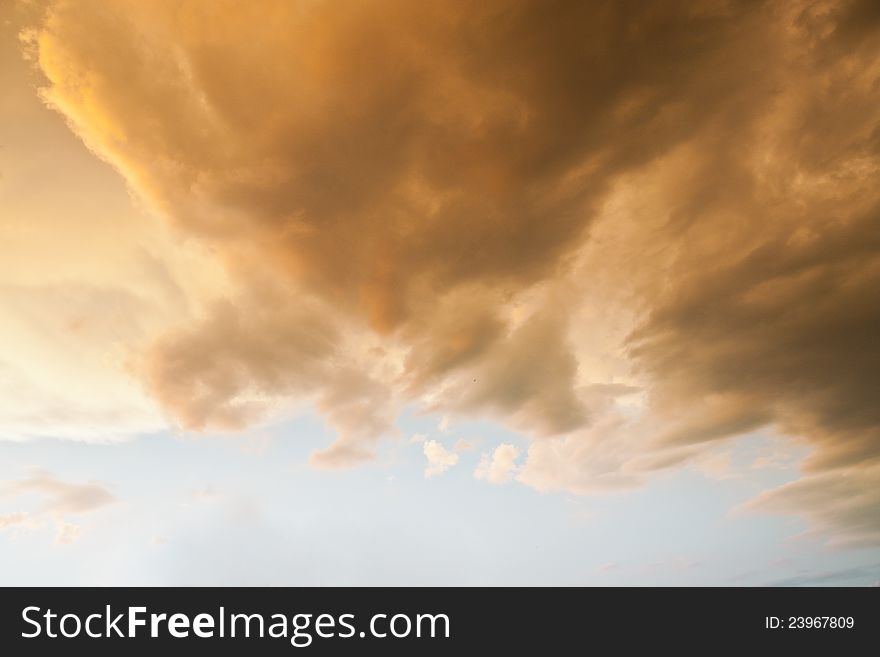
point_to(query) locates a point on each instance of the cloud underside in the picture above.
(629, 230)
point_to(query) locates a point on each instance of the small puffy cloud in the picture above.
(439, 458)
(67, 533)
(15, 519)
(462, 445)
(718, 466)
(500, 467)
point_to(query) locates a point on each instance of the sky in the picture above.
(394, 293)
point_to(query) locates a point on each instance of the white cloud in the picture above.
(67, 533)
(500, 467)
(439, 458)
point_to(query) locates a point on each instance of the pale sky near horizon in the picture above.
(304, 293)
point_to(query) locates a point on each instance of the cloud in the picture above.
(439, 458)
(840, 502)
(758, 307)
(718, 466)
(495, 123)
(774, 458)
(628, 230)
(500, 467)
(235, 365)
(67, 533)
(494, 153)
(462, 445)
(83, 274)
(59, 499)
(527, 378)
(600, 458)
(15, 519)
(769, 308)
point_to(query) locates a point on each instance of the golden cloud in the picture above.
(437, 202)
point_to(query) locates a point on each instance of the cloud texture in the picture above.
(627, 229)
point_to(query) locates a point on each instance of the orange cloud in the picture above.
(631, 230)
